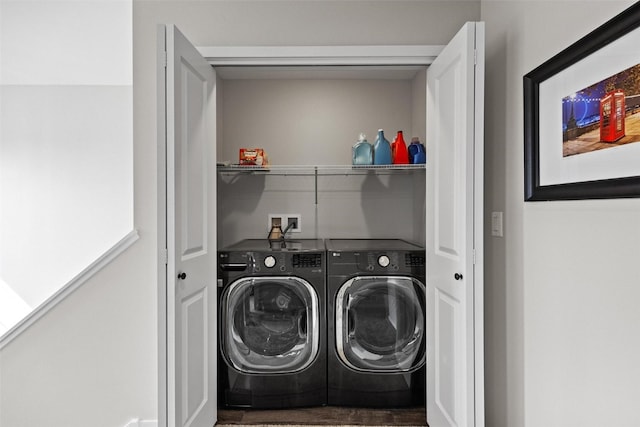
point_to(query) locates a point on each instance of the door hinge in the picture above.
(475, 57)
(165, 256)
(164, 60)
(474, 257)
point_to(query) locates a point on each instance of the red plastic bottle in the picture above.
(399, 150)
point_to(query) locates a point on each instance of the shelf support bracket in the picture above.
(315, 179)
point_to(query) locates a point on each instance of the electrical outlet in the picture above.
(283, 220)
(294, 221)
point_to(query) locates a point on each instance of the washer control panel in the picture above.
(270, 262)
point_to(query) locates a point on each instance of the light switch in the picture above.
(496, 224)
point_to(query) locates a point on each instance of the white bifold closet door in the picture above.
(454, 232)
(191, 243)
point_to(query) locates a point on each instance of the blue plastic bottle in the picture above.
(362, 152)
(417, 152)
(382, 150)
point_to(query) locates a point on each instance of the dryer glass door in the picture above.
(270, 324)
(380, 323)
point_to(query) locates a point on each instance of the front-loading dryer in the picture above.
(272, 329)
(376, 323)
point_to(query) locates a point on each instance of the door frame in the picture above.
(162, 239)
(478, 227)
(292, 56)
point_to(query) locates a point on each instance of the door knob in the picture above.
(456, 276)
(182, 276)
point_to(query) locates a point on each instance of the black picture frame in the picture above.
(621, 187)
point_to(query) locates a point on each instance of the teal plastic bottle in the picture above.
(362, 152)
(382, 150)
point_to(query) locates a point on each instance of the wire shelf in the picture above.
(320, 170)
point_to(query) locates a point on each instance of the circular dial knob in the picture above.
(383, 260)
(270, 261)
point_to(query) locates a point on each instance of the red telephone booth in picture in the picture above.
(612, 117)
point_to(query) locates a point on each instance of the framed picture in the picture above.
(582, 117)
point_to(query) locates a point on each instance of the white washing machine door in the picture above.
(380, 324)
(270, 324)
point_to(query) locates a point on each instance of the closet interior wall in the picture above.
(313, 118)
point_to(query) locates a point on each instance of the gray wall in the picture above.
(371, 205)
(561, 328)
(94, 358)
(316, 122)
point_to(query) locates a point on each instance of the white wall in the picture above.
(91, 361)
(66, 163)
(66, 176)
(66, 172)
(560, 287)
(94, 358)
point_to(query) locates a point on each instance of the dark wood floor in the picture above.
(324, 416)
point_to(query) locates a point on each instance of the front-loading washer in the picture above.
(272, 328)
(376, 323)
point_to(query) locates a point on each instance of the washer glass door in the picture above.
(380, 323)
(270, 324)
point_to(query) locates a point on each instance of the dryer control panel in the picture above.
(405, 262)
